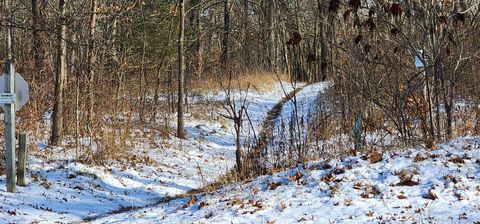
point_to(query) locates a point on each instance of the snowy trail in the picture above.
(159, 169)
(305, 96)
(266, 127)
(406, 186)
(412, 185)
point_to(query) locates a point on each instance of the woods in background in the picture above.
(100, 66)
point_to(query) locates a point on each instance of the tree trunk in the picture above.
(91, 59)
(181, 68)
(226, 33)
(38, 48)
(60, 74)
(271, 36)
(246, 37)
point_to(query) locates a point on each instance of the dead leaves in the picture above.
(256, 205)
(328, 178)
(370, 192)
(432, 195)
(297, 178)
(203, 204)
(420, 157)
(234, 202)
(430, 145)
(190, 202)
(408, 178)
(358, 185)
(457, 160)
(373, 157)
(298, 175)
(273, 185)
(402, 196)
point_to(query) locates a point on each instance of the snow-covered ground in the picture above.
(62, 191)
(405, 186)
(400, 186)
(291, 123)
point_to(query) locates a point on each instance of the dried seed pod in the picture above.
(311, 58)
(460, 17)
(296, 37)
(394, 31)
(367, 48)
(346, 14)
(386, 8)
(396, 49)
(443, 19)
(357, 22)
(371, 12)
(334, 6)
(396, 9)
(370, 24)
(358, 38)
(355, 4)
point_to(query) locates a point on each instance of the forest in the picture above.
(241, 111)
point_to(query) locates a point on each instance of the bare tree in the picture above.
(60, 74)
(181, 75)
(92, 59)
(226, 33)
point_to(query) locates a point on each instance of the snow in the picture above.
(404, 185)
(352, 190)
(62, 191)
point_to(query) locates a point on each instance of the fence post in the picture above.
(22, 160)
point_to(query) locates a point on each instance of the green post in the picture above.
(357, 132)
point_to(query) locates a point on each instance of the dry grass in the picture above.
(257, 80)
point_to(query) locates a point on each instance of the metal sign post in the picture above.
(13, 95)
(9, 109)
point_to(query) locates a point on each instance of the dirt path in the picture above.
(268, 127)
(261, 143)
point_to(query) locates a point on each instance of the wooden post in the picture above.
(22, 160)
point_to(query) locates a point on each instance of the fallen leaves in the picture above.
(457, 160)
(358, 185)
(431, 194)
(408, 178)
(420, 157)
(373, 157)
(402, 196)
(370, 192)
(203, 204)
(295, 178)
(321, 166)
(273, 185)
(430, 145)
(190, 202)
(78, 188)
(328, 177)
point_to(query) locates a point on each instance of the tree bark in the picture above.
(246, 36)
(271, 35)
(226, 33)
(92, 59)
(60, 74)
(181, 76)
(38, 48)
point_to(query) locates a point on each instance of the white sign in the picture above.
(21, 92)
(7, 98)
(418, 61)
